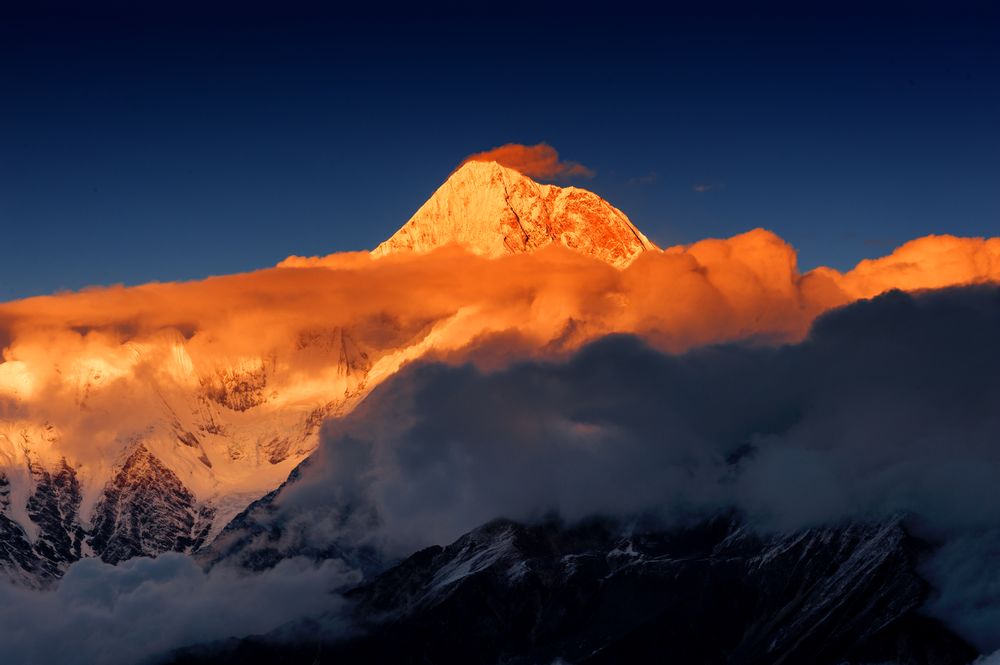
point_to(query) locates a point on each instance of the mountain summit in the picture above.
(492, 211)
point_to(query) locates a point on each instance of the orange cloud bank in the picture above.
(235, 359)
(712, 291)
(930, 262)
(535, 161)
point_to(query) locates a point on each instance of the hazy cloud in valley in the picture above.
(116, 615)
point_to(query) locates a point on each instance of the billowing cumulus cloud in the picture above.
(535, 161)
(930, 262)
(888, 407)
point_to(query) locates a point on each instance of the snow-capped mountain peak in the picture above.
(492, 211)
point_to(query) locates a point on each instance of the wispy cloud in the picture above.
(534, 161)
(704, 187)
(647, 179)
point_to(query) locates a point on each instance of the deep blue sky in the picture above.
(175, 144)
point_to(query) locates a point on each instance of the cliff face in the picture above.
(492, 210)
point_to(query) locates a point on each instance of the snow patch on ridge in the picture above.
(473, 557)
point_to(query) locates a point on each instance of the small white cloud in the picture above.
(647, 179)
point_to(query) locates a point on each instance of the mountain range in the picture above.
(157, 433)
(218, 438)
(600, 592)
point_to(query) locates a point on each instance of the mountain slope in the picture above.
(492, 211)
(713, 592)
(198, 451)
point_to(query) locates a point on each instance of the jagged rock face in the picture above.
(710, 593)
(145, 510)
(18, 559)
(54, 507)
(492, 211)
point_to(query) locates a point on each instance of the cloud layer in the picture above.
(888, 407)
(93, 348)
(539, 161)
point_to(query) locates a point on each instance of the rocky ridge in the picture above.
(597, 592)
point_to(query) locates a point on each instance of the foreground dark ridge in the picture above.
(712, 593)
